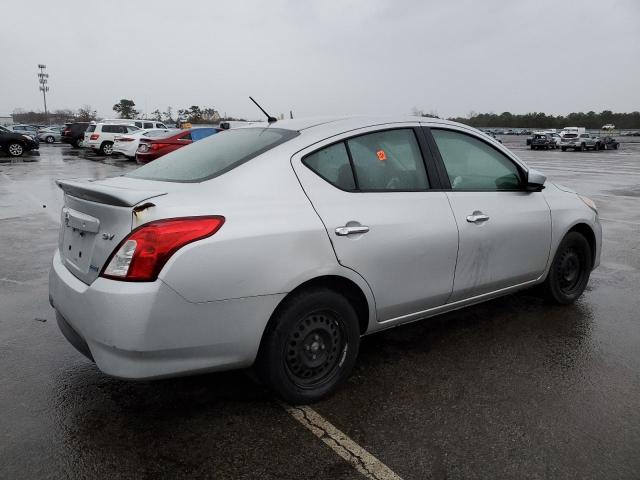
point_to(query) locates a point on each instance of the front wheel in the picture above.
(49, 139)
(15, 149)
(570, 270)
(583, 147)
(311, 346)
(564, 149)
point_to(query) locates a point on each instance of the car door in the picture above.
(384, 216)
(505, 230)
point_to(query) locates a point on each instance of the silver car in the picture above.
(50, 134)
(280, 245)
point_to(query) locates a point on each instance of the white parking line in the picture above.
(358, 457)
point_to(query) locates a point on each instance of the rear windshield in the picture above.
(90, 128)
(213, 155)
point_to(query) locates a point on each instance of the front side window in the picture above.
(138, 124)
(148, 125)
(388, 160)
(332, 164)
(471, 164)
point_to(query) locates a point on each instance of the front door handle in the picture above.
(477, 217)
(351, 230)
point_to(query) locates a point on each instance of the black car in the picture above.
(15, 144)
(73, 133)
(609, 143)
(542, 140)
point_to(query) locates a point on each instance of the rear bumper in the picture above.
(147, 330)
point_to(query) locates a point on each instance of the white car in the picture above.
(140, 123)
(127, 145)
(100, 136)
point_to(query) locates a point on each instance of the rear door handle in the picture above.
(351, 230)
(477, 217)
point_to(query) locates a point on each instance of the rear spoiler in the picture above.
(110, 195)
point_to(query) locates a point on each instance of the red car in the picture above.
(152, 148)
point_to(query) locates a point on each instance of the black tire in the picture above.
(583, 147)
(49, 139)
(605, 147)
(564, 149)
(76, 143)
(570, 270)
(106, 148)
(615, 147)
(310, 346)
(532, 147)
(15, 149)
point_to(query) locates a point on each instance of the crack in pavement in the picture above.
(341, 444)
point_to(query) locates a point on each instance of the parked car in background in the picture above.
(152, 148)
(609, 143)
(99, 137)
(142, 124)
(128, 144)
(542, 140)
(556, 138)
(582, 141)
(14, 143)
(256, 247)
(73, 133)
(50, 134)
(492, 135)
(30, 130)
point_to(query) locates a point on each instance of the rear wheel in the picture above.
(564, 149)
(106, 148)
(570, 270)
(49, 139)
(77, 143)
(311, 347)
(583, 147)
(615, 147)
(15, 149)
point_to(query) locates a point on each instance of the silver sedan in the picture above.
(50, 134)
(279, 245)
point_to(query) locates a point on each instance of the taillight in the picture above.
(124, 139)
(158, 146)
(142, 254)
(94, 136)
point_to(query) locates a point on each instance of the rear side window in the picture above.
(138, 124)
(160, 125)
(471, 164)
(388, 160)
(91, 128)
(214, 155)
(332, 164)
(148, 125)
(200, 133)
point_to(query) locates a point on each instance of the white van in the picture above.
(576, 130)
(140, 123)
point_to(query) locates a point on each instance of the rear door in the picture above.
(384, 216)
(505, 231)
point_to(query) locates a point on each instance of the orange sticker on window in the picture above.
(381, 155)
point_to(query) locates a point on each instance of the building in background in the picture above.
(6, 120)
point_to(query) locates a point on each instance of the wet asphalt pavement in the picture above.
(513, 388)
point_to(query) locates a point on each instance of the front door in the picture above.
(384, 220)
(505, 231)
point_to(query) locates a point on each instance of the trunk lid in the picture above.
(96, 216)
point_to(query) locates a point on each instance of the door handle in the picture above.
(351, 230)
(477, 217)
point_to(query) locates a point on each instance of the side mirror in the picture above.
(535, 181)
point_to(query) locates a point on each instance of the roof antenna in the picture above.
(270, 119)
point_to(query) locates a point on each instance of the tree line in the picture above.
(591, 120)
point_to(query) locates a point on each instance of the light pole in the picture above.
(43, 80)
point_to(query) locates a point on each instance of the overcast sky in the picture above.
(324, 57)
